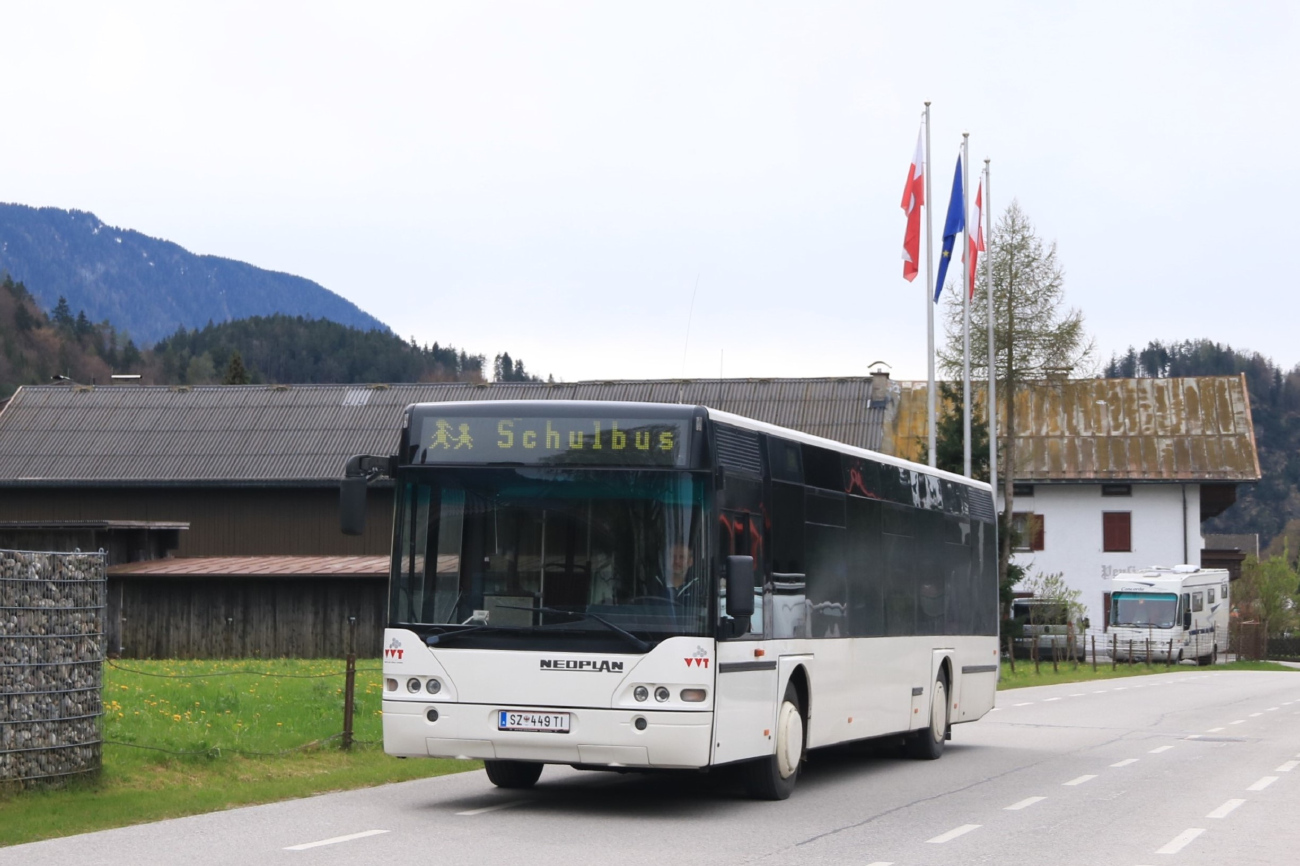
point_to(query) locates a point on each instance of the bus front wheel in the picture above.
(773, 777)
(512, 774)
(927, 744)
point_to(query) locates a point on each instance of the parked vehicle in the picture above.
(1169, 614)
(1048, 629)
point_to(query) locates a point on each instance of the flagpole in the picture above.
(929, 295)
(992, 407)
(965, 303)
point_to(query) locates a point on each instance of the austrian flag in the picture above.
(976, 236)
(913, 198)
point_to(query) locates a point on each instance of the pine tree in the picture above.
(62, 315)
(235, 372)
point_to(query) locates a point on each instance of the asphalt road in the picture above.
(1194, 767)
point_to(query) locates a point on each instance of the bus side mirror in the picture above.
(352, 505)
(740, 587)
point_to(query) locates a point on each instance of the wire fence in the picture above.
(1114, 647)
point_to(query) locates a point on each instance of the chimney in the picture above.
(879, 386)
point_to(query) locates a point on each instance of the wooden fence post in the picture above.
(349, 692)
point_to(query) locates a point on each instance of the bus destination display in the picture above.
(552, 441)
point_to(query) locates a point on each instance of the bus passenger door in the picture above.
(745, 703)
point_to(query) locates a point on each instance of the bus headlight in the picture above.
(662, 694)
(413, 685)
(433, 687)
(640, 693)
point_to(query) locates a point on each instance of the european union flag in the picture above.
(954, 225)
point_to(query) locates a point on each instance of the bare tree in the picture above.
(1034, 337)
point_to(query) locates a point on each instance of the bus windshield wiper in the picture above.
(435, 639)
(641, 646)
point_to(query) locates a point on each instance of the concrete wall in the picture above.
(1072, 538)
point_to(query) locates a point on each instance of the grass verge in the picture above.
(1070, 672)
(246, 732)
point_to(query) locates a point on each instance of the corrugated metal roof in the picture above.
(256, 566)
(1186, 429)
(304, 433)
(1089, 429)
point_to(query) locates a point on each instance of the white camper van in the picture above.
(1169, 614)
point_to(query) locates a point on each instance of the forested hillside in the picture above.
(35, 347)
(149, 287)
(1272, 505)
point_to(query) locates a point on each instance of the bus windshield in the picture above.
(547, 557)
(1143, 610)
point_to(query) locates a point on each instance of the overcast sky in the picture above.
(556, 179)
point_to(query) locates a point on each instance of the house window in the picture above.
(1117, 531)
(1117, 490)
(1029, 527)
(1019, 490)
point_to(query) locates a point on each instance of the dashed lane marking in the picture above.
(1080, 780)
(1125, 762)
(953, 834)
(1023, 804)
(335, 840)
(1180, 841)
(1287, 767)
(1222, 811)
(1025, 704)
(1262, 783)
(1215, 730)
(1158, 749)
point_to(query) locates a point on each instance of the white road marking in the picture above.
(1222, 811)
(1238, 722)
(1121, 688)
(1101, 692)
(1077, 695)
(1049, 700)
(1192, 737)
(953, 834)
(335, 840)
(1125, 762)
(1180, 841)
(1262, 783)
(496, 808)
(1271, 709)
(1158, 749)
(881, 863)
(1025, 704)
(1214, 730)
(1028, 801)
(1079, 781)
(1287, 767)
(1253, 715)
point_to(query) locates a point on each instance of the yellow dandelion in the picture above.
(176, 718)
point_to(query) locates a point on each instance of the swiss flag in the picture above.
(977, 236)
(913, 198)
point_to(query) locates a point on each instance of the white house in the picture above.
(1114, 475)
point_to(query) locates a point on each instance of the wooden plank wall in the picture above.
(224, 521)
(250, 617)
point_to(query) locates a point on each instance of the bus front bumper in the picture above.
(600, 737)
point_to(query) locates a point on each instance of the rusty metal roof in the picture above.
(1185, 429)
(256, 566)
(1193, 429)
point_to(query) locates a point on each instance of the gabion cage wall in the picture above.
(51, 664)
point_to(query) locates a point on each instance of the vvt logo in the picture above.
(394, 650)
(699, 658)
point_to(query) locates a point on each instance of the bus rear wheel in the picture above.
(513, 774)
(927, 744)
(773, 777)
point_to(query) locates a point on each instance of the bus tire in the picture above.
(927, 744)
(773, 777)
(513, 774)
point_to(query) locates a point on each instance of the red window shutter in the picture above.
(1117, 531)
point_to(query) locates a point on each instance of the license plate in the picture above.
(555, 723)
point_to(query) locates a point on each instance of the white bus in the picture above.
(1169, 614)
(624, 585)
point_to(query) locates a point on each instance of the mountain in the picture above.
(148, 287)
